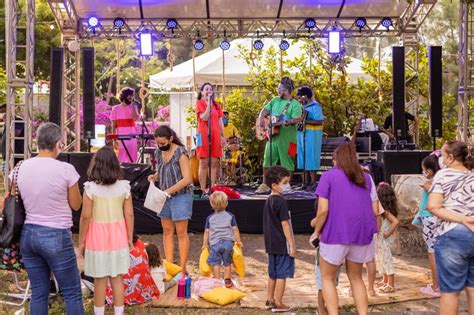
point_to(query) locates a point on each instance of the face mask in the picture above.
(127, 101)
(285, 188)
(165, 147)
(225, 121)
(441, 162)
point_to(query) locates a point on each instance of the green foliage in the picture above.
(3, 86)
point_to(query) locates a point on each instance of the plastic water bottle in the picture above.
(181, 288)
(188, 288)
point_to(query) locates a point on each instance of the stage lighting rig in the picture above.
(198, 43)
(386, 22)
(361, 22)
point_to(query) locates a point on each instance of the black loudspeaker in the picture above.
(56, 85)
(398, 162)
(80, 161)
(64, 157)
(398, 92)
(436, 91)
(423, 154)
(88, 88)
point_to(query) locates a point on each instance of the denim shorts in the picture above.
(281, 266)
(454, 251)
(221, 253)
(178, 208)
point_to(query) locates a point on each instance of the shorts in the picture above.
(178, 208)
(454, 252)
(336, 254)
(429, 232)
(317, 274)
(221, 253)
(281, 266)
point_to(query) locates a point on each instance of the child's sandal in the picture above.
(228, 283)
(387, 289)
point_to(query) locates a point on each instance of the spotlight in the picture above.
(258, 44)
(334, 42)
(284, 45)
(361, 22)
(225, 45)
(198, 44)
(119, 22)
(146, 44)
(93, 21)
(51, 26)
(171, 23)
(386, 22)
(310, 23)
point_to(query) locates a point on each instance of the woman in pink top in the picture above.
(49, 189)
(123, 118)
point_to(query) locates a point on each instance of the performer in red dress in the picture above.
(208, 110)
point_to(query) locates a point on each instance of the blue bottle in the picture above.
(188, 288)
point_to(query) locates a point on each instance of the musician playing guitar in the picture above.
(123, 118)
(282, 110)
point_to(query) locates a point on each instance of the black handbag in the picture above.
(13, 215)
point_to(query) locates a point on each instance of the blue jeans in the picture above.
(454, 251)
(47, 250)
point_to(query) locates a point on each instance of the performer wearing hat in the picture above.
(123, 118)
(310, 133)
(281, 148)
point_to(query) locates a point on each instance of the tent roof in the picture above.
(202, 9)
(208, 67)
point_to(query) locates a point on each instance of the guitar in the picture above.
(262, 133)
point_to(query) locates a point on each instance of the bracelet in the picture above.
(167, 195)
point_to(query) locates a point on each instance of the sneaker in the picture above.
(269, 305)
(263, 189)
(281, 308)
(428, 290)
(228, 283)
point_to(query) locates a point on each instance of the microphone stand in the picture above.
(144, 128)
(305, 115)
(270, 131)
(209, 134)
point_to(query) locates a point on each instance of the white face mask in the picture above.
(285, 188)
(441, 162)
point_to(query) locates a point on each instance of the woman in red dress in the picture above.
(208, 110)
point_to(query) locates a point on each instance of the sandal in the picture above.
(387, 289)
(228, 283)
(428, 290)
(371, 293)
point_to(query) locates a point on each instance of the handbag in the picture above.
(13, 215)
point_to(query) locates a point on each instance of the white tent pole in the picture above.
(223, 78)
(194, 71)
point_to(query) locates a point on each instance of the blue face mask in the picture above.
(225, 121)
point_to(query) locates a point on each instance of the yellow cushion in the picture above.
(223, 296)
(171, 269)
(238, 260)
(204, 268)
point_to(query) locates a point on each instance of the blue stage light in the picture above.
(171, 23)
(146, 44)
(198, 44)
(225, 45)
(284, 45)
(93, 21)
(361, 22)
(310, 23)
(334, 42)
(386, 22)
(119, 22)
(258, 44)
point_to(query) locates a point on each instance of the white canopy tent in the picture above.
(209, 67)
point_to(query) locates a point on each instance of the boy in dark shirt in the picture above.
(279, 240)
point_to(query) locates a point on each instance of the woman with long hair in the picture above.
(451, 199)
(346, 226)
(173, 176)
(208, 112)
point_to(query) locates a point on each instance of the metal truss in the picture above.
(20, 43)
(70, 107)
(466, 72)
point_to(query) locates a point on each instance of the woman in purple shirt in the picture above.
(346, 224)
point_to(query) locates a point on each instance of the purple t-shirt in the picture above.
(351, 219)
(43, 183)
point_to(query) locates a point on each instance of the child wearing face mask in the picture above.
(279, 240)
(430, 166)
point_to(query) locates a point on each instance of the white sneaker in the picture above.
(263, 189)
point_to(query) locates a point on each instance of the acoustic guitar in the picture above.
(262, 133)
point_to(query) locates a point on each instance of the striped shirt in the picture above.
(169, 173)
(457, 188)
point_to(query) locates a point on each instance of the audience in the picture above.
(46, 243)
(451, 200)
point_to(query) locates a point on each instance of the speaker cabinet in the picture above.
(398, 92)
(398, 162)
(56, 85)
(80, 161)
(88, 88)
(436, 91)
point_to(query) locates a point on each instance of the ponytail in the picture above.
(469, 163)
